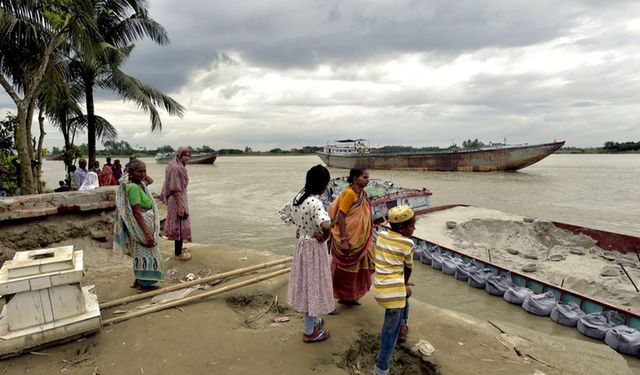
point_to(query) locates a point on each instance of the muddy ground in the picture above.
(234, 333)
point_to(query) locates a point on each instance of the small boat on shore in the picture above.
(208, 158)
(384, 196)
(352, 153)
(55, 157)
(558, 299)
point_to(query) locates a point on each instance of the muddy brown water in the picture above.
(235, 203)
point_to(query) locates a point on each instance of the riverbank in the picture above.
(235, 333)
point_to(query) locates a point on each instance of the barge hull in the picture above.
(491, 160)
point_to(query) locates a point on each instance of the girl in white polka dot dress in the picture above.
(310, 289)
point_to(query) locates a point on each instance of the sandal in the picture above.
(319, 325)
(316, 336)
(404, 330)
(183, 256)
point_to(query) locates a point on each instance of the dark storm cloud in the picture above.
(295, 34)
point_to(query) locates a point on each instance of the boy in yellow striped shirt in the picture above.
(391, 287)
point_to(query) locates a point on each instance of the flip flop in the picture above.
(320, 335)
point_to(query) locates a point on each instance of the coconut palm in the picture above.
(31, 35)
(120, 22)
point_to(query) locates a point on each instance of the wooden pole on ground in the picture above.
(137, 297)
(198, 297)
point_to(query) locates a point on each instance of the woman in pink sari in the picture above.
(177, 226)
(351, 245)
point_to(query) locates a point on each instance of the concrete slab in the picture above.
(16, 342)
(33, 262)
(40, 281)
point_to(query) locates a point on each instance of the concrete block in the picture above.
(25, 310)
(22, 271)
(40, 283)
(66, 301)
(66, 278)
(14, 287)
(46, 305)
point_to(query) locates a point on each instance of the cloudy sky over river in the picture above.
(289, 73)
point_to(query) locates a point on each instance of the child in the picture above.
(391, 287)
(310, 289)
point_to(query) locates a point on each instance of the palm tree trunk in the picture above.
(91, 121)
(38, 172)
(22, 146)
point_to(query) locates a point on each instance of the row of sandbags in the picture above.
(599, 325)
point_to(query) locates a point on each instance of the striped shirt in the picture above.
(393, 252)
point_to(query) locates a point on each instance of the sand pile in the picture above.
(560, 257)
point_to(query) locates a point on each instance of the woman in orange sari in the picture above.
(351, 245)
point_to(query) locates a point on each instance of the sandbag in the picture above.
(436, 261)
(497, 285)
(462, 270)
(567, 314)
(417, 252)
(478, 279)
(517, 294)
(540, 304)
(623, 339)
(596, 325)
(449, 265)
(428, 252)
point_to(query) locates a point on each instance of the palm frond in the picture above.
(144, 95)
(105, 131)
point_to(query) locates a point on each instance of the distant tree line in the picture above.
(621, 147)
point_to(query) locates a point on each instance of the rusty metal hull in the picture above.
(508, 158)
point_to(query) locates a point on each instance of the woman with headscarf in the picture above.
(90, 182)
(106, 177)
(137, 227)
(177, 226)
(351, 245)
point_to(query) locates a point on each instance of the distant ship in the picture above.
(352, 153)
(208, 158)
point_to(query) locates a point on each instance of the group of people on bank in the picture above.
(89, 179)
(337, 255)
(359, 258)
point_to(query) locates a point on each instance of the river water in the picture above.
(235, 203)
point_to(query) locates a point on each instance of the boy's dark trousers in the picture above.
(393, 319)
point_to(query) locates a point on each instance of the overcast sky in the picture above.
(287, 73)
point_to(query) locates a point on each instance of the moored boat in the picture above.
(208, 158)
(55, 157)
(564, 298)
(384, 196)
(352, 153)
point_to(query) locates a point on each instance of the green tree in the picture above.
(121, 23)
(32, 34)
(166, 149)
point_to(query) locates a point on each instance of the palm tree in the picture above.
(120, 22)
(31, 34)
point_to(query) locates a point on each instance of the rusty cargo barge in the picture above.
(356, 153)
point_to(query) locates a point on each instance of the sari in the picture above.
(352, 269)
(176, 182)
(106, 178)
(129, 238)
